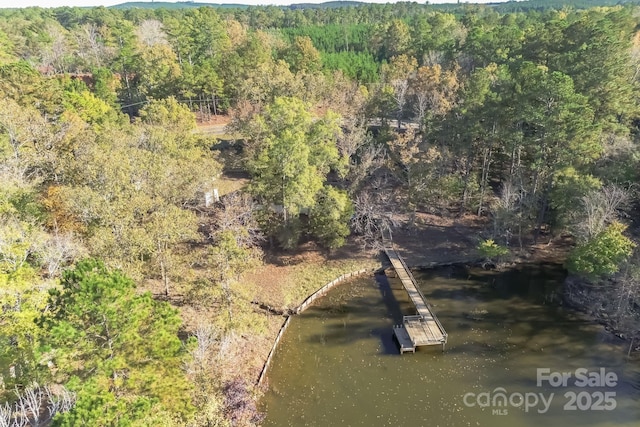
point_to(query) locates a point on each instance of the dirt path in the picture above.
(433, 239)
(213, 129)
(216, 126)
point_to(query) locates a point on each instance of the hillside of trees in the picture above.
(503, 7)
(339, 119)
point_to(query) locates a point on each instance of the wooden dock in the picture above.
(423, 328)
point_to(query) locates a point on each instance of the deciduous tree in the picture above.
(602, 254)
(291, 156)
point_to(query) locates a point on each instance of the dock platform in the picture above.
(424, 328)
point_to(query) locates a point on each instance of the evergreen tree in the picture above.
(117, 349)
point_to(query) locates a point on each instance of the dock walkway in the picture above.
(423, 328)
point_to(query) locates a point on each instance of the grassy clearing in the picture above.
(286, 286)
(306, 279)
(228, 184)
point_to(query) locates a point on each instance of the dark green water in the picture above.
(338, 365)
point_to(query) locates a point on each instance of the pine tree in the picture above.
(117, 349)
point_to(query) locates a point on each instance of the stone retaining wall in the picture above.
(302, 307)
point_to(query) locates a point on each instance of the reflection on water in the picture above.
(338, 365)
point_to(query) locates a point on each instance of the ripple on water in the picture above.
(337, 364)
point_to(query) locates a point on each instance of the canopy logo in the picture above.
(499, 400)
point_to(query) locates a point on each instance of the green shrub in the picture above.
(603, 254)
(491, 250)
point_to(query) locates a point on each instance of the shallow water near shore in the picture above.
(338, 364)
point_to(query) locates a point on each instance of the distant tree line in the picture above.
(341, 118)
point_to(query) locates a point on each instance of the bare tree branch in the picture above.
(600, 208)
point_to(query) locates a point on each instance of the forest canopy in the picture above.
(340, 121)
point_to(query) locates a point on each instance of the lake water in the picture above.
(338, 364)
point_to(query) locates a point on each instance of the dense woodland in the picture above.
(527, 117)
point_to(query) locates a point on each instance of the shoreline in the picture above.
(573, 285)
(431, 244)
(301, 308)
(472, 262)
(320, 292)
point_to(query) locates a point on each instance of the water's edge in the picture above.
(302, 307)
(338, 363)
(330, 285)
